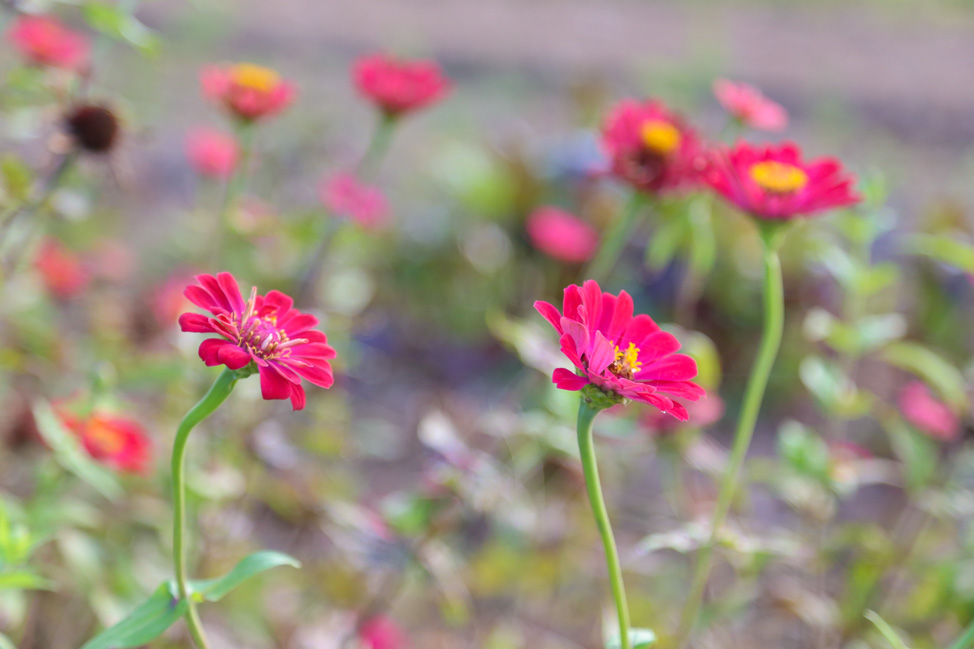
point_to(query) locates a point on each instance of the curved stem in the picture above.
(586, 448)
(216, 395)
(615, 240)
(753, 395)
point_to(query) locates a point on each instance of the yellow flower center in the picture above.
(660, 137)
(627, 362)
(254, 77)
(778, 177)
(104, 437)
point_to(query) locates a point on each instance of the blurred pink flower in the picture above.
(118, 442)
(264, 330)
(382, 633)
(773, 182)
(63, 272)
(347, 197)
(748, 106)
(650, 147)
(43, 40)
(622, 355)
(212, 152)
(702, 414)
(562, 235)
(927, 414)
(247, 91)
(399, 86)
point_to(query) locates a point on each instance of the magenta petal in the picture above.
(677, 367)
(568, 380)
(272, 384)
(549, 313)
(320, 376)
(230, 288)
(297, 397)
(233, 357)
(195, 323)
(281, 302)
(210, 350)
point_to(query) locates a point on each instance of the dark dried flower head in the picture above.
(93, 128)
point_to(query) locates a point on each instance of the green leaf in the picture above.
(69, 453)
(115, 21)
(638, 638)
(919, 454)
(942, 248)
(803, 450)
(17, 177)
(891, 636)
(23, 580)
(213, 590)
(832, 387)
(145, 623)
(664, 243)
(931, 367)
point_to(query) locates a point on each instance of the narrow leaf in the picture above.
(891, 636)
(215, 589)
(145, 623)
(638, 639)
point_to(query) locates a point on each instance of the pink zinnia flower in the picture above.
(114, 441)
(382, 633)
(622, 355)
(561, 235)
(704, 412)
(399, 86)
(748, 106)
(249, 92)
(264, 330)
(773, 182)
(928, 414)
(43, 40)
(212, 153)
(651, 148)
(347, 197)
(63, 272)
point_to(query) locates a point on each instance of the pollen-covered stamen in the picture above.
(659, 136)
(260, 335)
(778, 177)
(626, 363)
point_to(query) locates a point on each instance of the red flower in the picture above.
(43, 40)
(382, 633)
(345, 196)
(212, 153)
(398, 86)
(264, 330)
(622, 355)
(772, 182)
(561, 235)
(249, 92)
(115, 441)
(748, 106)
(928, 414)
(650, 148)
(64, 273)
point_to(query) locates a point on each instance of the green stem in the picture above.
(966, 638)
(703, 250)
(586, 447)
(615, 240)
(216, 395)
(378, 145)
(237, 181)
(754, 394)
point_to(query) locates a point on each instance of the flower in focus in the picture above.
(625, 357)
(702, 413)
(63, 272)
(561, 235)
(264, 330)
(93, 128)
(43, 40)
(212, 153)
(650, 148)
(398, 86)
(749, 107)
(928, 414)
(382, 633)
(115, 441)
(347, 197)
(774, 183)
(249, 92)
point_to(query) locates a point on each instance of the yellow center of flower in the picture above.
(627, 362)
(254, 77)
(659, 136)
(778, 177)
(104, 437)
